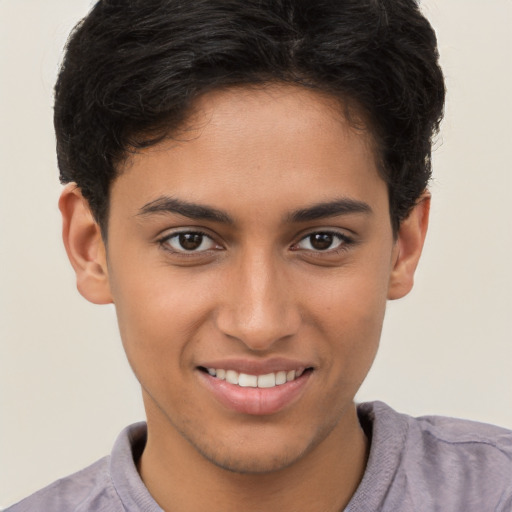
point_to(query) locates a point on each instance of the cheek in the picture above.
(158, 315)
(348, 312)
(351, 301)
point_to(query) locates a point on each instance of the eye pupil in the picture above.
(190, 241)
(321, 241)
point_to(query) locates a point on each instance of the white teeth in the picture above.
(267, 381)
(232, 377)
(246, 380)
(280, 378)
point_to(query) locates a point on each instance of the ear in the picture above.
(408, 247)
(84, 246)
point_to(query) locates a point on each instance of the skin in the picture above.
(256, 289)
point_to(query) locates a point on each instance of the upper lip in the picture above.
(255, 367)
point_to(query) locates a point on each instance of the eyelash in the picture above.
(345, 243)
(164, 243)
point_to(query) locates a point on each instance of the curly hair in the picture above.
(133, 68)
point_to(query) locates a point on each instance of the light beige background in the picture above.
(65, 388)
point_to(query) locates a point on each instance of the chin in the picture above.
(251, 464)
(268, 454)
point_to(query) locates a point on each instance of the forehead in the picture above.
(251, 146)
(262, 117)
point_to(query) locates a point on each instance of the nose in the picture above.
(259, 307)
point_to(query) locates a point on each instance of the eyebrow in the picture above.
(166, 204)
(194, 211)
(343, 206)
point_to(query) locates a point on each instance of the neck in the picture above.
(324, 479)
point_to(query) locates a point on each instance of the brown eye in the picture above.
(323, 241)
(189, 241)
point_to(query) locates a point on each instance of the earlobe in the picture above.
(408, 247)
(84, 246)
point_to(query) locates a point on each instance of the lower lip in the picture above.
(255, 401)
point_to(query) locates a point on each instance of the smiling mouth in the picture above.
(245, 380)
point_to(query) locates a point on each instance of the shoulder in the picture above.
(75, 493)
(435, 461)
(112, 484)
(464, 458)
(430, 433)
(480, 446)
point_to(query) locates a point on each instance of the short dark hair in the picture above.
(133, 68)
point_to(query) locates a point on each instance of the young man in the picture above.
(247, 183)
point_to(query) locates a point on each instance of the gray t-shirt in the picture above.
(422, 464)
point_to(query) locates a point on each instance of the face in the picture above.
(250, 263)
